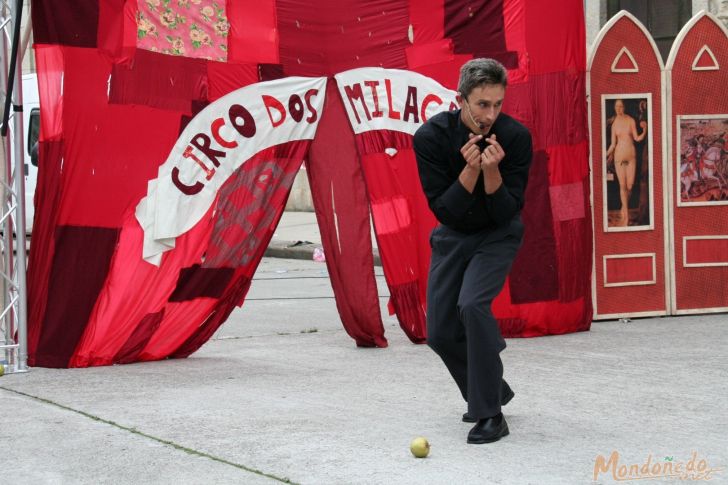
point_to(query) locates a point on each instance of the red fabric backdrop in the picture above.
(112, 111)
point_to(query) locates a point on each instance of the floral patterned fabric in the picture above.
(191, 28)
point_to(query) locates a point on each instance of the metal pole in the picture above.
(12, 209)
(9, 351)
(21, 259)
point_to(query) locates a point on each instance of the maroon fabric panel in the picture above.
(575, 242)
(477, 28)
(234, 297)
(196, 107)
(66, 22)
(559, 114)
(534, 275)
(196, 282)
(46, 201)
(159, 81)
(552, 107)
(269, 72)
(129, 352)
(80, 264)
(337, 186)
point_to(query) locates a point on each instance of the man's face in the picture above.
(482, 106)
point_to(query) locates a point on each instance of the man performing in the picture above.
(473, 165)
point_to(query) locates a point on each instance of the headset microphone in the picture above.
(481, 126)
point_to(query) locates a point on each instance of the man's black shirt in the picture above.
(437, 146)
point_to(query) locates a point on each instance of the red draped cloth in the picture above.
(119, 83)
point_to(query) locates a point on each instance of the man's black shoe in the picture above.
(488, 430)
(507, 396)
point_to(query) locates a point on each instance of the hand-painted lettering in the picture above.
(215, 128)
(201, 141)
(410, 105)
(430, 98)
(188, 154)
(307, 97)
(375, 97)
(355, 92)
(393, 114)
(242, 120)
(184, 188)
(271, 102)
(295, 107)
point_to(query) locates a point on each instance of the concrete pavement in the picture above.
(297, 236)
(281, 393)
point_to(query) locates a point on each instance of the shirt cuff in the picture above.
(500, 195)
(457, 200)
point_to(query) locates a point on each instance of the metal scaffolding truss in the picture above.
(13, 305)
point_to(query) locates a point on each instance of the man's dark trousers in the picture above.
(467, 271)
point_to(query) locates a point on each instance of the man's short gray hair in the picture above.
(477, 72)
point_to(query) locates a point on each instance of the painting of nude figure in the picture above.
(627, 162)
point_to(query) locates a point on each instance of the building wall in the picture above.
(595, 13)
(29, 58)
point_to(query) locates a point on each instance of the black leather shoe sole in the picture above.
(490, 439)
(506, 399)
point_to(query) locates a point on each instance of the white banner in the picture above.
(391, 99)
(215, 144)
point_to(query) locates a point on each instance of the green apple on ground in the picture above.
(420, 447)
